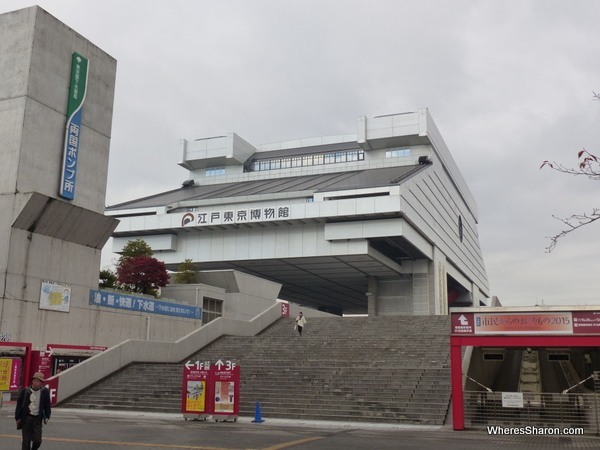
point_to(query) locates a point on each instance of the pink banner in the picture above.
(536, 323)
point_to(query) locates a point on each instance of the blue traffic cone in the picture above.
(257, 417)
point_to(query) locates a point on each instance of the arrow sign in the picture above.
(463, 320)
(219, 364)
(50, 350)
(189, 364)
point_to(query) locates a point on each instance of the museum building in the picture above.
(380, 222)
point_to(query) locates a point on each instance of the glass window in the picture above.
(211, 309)
(214, 171)
(315, 159)
(397, 152)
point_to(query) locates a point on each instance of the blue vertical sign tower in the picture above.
(77, 90)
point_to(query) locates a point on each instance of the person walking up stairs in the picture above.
(300, 323)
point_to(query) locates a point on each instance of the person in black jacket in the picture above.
(33, 409)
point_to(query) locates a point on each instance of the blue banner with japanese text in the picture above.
(129, 302)
(77, 92)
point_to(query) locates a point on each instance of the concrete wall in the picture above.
(433, 204)
(244, 296)
(35, 58)
(394, 297)
(103, 364)
(43, 237)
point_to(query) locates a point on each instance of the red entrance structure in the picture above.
(518, 327)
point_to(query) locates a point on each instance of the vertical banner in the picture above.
(194, 389)
(77, 92)
(5, 373)
(285, 309)
(10, 374)
(41, 361)
(15, 376)
(226, 393)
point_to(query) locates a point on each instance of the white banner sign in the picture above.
(235, 216)
(512, 399)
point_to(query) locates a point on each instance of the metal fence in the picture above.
(483, 409)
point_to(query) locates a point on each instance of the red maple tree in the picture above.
(142, 274)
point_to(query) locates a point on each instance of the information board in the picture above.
(210, 389)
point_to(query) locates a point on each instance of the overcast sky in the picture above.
(508, 83)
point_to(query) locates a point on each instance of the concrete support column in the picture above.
(372, 296)
(421, 291)
(439, 278)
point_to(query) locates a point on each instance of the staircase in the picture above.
(381, 369)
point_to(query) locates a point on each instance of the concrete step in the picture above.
(377, 369)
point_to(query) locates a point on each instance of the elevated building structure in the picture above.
(379, 222)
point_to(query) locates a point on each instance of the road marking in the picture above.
(293, 443)
(119, 443)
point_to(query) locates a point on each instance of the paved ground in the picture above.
(72, 429)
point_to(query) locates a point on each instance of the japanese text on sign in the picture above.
(245, 215)
(122, 301)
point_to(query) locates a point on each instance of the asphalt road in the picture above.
(71, 429)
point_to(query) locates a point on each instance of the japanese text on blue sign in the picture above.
(111, 299)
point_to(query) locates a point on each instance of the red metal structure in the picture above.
(457, 342)
(522, 328)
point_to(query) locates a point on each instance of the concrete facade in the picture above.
(242, 296)
(50, 245)
(378, 222)
(44, 237)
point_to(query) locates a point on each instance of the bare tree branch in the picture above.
(589, 166)
(573, 223)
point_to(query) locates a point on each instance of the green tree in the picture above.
(139, 247)
(186, 272)
(108, 279)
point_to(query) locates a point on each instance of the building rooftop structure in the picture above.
(378, 222)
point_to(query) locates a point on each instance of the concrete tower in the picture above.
(56, 102)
